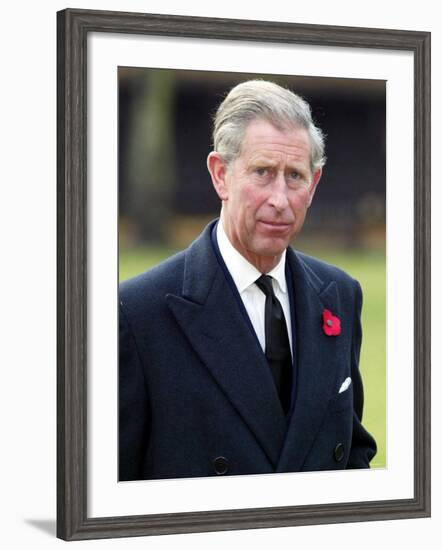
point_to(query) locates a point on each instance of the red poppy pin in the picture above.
(331, 325)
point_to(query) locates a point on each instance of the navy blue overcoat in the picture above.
(196, 396)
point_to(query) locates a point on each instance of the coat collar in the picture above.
(208, 312)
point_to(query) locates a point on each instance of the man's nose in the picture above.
(278, 193)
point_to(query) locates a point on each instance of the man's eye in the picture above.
(261, 171)
(295, 175)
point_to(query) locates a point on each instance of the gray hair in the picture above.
(269, 101)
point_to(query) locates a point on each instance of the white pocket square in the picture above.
(345, 385)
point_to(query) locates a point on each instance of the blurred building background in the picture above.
(165, 192)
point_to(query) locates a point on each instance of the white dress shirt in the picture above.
(244, 275)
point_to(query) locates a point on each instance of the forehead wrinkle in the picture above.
(270, 149)
(290, 161)
(277, 137)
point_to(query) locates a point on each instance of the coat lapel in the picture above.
(316, 355)
(209, 314)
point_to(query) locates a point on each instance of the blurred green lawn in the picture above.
(369, 269)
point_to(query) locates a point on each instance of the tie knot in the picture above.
(264, 283)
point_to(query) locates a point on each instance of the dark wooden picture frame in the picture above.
(73, 27)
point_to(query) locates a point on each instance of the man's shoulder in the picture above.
(163, 278)
(168, 276)
(325, 271)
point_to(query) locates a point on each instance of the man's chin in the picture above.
(273, 247)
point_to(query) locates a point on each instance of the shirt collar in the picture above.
(243, 272)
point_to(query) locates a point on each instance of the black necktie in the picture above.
(277, 348)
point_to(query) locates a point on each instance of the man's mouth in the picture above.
(272, 223)
(276, 226)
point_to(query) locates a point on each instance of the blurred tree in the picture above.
(151, 155)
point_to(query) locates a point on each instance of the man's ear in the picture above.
(315, 180)
(218, 169)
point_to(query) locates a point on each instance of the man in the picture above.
(240, 355)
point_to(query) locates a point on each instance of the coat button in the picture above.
(221, 465)
(339, 452)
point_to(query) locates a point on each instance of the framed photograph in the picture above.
(136, 97)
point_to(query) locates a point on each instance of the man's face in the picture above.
(266, 191)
